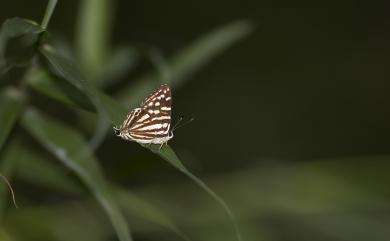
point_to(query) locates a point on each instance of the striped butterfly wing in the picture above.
(151, 122)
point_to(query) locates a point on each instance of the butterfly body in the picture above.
(149, 124)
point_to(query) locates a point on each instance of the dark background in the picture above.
(310, 82)
(291, 123)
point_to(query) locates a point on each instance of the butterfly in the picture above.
(150, 123)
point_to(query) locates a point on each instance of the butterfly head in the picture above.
(117, 131)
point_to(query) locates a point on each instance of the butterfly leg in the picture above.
(161, 146)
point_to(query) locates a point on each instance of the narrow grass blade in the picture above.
(51, 5)
(121, 62)
(92, 35)
(11, 103)
(64, 142)
(188, 60)
(207, 47)
(170, 156)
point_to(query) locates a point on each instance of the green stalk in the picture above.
(48, 13)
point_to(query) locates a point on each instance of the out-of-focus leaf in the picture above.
(188, 60)
(66, 144)
(122, 61)
(4, 236)
(11, 103)
(170, 156)
(345, 193)
(51, 5)
(92, 37)
(58, 89)
(36, 168)
(74, 221)
(199, 53)
(67, 69)
(66, 93)
(8, 162)
(18, 39)
(16, 27)
(337, 185)
(134, 205)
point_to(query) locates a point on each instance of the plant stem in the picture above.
(49, 12)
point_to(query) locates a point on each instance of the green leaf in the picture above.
(8, 163)
(16, 27)
(40, 170)
(134, 205)
(51, 5)
(203, 50)
(58, 89)
(33, 167)
(68, 70)
(18, 40)
(121, 62)
(170, 156)
(187, 61)
(66, 144)
(92, 37)
(59, 221)
(11, 103)
(61, 90)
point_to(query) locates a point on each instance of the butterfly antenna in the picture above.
(185, 123)
(177, 123)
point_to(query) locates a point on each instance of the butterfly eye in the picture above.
(117, 131)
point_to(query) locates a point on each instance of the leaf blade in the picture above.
(56, 88)
(36, 169)
(170, 156)
(92, 38)
(18, 38)
(11, 104)
(64, 143)
(68, 70)
(146, 211)
(187, 61)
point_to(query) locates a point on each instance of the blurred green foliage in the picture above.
(52, 71)
(291, 125)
